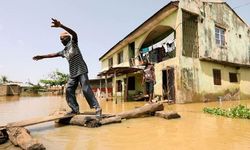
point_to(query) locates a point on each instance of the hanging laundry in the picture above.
(157, 55)
(145, 50)
(169, 46)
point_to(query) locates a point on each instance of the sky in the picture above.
(25, 31)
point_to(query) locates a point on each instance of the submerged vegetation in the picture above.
(239, 111)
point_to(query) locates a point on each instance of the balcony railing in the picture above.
(154, 56)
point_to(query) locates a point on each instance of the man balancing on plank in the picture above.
(77, 68)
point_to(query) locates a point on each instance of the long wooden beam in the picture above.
(38, 120)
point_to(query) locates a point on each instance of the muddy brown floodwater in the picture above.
(194, 131)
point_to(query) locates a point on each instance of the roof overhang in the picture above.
(232, 64)
(119, 71)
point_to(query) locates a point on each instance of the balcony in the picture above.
(155, 55)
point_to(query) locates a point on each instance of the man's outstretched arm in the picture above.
(58, 24)
(39, 57)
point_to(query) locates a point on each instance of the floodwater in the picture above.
(194, 131)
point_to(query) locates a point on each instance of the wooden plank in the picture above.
(56, 116)
(38, 120)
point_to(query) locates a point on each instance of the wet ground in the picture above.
(195, 130)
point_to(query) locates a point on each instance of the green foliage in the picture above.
(239, 111)
(36, 88)
(3, 79)
(56, 78)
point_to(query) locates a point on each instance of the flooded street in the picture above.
(195, 130)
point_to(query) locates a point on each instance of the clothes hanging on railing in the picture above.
(157, 54)
(145, 50)
(169, 45)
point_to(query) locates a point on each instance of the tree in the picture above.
(36, 88)
(56, 78)
(3, 79)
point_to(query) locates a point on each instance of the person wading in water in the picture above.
(149, 79)
(77, 68)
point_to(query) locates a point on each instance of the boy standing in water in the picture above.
(77, 68)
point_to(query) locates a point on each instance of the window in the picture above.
(120, 57)
(220, 36)
(217, 76)
(131, 83)
(110, 62)
(233, 77)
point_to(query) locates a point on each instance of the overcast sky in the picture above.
(25, 31)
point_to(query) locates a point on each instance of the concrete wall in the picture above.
(14, 90)
(158, 73)
(237, 35)
(3, 90)
(208, 90)
(10, 90)
(138, 84)
(196, 80)
(105, 65)
(244, 83)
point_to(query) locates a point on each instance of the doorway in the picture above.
(168, 84)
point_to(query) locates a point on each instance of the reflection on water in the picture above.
(195, 130)
(8, 98)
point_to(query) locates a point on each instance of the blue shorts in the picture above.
(149, 87)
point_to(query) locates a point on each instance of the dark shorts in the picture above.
(149, 87)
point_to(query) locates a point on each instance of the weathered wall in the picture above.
(14, 90)
(9, 90)
(158, 73)
(188, 81)
(244, 83)
(196, 77)
(190, 35)
(206, 81)
(197, 81)
(3, 90)
(138, 84)
(236, 49)
(105, 65)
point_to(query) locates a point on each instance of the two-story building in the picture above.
(200, 50)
